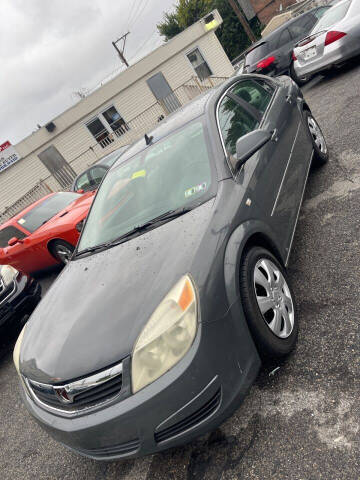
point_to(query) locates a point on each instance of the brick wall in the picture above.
(266, 9)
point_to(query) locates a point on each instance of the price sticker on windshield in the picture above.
(194, 190)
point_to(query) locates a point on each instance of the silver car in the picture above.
(334, 39)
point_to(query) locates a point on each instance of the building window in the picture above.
(99, 132)
(115, 121)
(199, 64)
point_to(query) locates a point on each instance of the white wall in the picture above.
(18, 179)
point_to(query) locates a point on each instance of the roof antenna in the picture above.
(148, 139)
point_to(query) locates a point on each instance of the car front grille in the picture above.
(195, 418)
(114, 450)
(79, 395)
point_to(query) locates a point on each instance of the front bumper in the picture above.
(22, 301)
(195, 396)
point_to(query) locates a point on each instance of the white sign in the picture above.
(8, 156)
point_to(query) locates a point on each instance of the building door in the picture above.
(57, 166)
(163, 93)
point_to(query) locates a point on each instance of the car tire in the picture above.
(299, 80)
(61, 250)
(268, 302)
(321, 153)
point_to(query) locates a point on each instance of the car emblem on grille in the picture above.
(63, 395)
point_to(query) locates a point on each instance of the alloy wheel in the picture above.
(63, 253)
(274, 298)
(317, 134)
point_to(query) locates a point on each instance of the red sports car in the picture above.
(45, 233)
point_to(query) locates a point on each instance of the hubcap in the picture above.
(317, 134)
(64, 254)
(274, 298)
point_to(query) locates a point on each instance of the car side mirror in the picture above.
(249, 144)
(13, 241)
(81, 190)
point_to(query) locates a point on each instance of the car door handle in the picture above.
(289, 99)
(274, 135)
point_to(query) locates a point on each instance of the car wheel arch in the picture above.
(248, 234)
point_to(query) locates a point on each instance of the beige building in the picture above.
(118, 112)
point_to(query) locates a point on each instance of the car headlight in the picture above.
(8, 274)
(16, 352)
(167, 336)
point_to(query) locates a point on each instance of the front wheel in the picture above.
(321, 154)
(268, 302)
(62, 251)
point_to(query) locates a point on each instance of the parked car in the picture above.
(44, 234)
(181, 272)
(272, 55)
(91, 178)
(334, 39)
(19, 295)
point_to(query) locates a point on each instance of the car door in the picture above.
(275, 176)
(283, 51)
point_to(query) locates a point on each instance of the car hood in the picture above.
(96, 309)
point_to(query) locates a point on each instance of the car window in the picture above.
(109, 160)
(9, 232)
(83, 182)
(255, 92)
(284, 38)
(320, 12)
(257, 54)
(174, 173)
(97, 174)
(332, 16)
(47, 209)
(302, 26)
(235, 122)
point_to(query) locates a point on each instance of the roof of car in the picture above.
(278, 30)
(183, 115)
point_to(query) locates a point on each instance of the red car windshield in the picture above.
(47, 209)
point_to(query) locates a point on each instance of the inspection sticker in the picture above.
(193, 190)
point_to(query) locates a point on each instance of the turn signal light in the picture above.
(333, 36)
(265, 63)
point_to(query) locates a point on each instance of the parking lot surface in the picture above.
(299, 421)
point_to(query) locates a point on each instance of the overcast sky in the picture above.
(51, 48)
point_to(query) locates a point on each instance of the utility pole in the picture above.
(242, 20)
(121, 51)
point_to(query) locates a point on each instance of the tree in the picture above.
(231, 33)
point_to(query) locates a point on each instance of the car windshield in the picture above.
(256, 54)
(47, 209)
(173, 174)
(110, 159)
(332, 16)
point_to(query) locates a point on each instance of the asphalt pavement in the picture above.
(300, 420)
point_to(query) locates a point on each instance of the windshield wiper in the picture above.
(169, 215)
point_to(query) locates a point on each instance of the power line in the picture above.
(141, 11)
(143, 44)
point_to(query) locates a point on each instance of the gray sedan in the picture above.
(155, 330)
(334, 39)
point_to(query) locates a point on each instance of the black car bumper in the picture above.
(21, 300)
